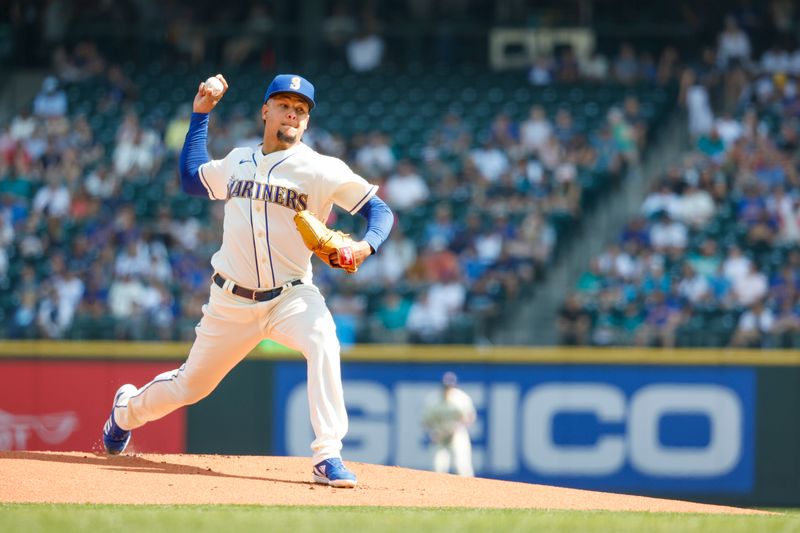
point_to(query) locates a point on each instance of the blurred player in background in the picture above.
(448, 416)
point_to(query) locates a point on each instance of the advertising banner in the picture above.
(645, 429)
(62, 405)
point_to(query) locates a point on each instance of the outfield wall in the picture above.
(712, 425)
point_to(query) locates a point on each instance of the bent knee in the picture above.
(321, 342)
(189, 392)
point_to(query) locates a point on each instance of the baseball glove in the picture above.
(329, 245)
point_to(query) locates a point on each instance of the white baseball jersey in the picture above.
(261, 247)
(446, 414)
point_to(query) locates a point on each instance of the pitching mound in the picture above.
(77, 477)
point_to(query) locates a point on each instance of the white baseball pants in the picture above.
(230, 328)
(458, 453)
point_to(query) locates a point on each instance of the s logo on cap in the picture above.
(295, 83)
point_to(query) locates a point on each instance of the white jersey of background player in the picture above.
(262, 284)
(448, 415)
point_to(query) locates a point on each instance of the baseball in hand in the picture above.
(214, 86)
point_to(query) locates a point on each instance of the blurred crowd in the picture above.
(97, 241)
(713, 258)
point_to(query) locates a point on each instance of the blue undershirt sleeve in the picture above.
(194, 154)
(380, 220)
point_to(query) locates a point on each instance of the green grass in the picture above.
(32, 518)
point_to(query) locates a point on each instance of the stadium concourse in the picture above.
(488, 176)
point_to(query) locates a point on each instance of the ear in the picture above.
(264, 110)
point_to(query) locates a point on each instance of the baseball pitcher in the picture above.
(277, 196)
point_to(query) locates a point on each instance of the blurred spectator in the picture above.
(624, 135)
(482, 301)
(376, 156)
(51, 101)
(348, 308)
(787, 324)
(101, 183)
(6, 233)
(785, 283)
(636, 232)
(398, 253)
(626, 68)
(750, 287)
(534, 242)
(405, 189)
(448, 292)
(693, 285)
(23, 125)
(592, 280)
(710, 143)
(698, 104)
(633, 115)
(442, 229)
(535, 131)
(365, 50)
(667, 234)
(177, 128)
(504, 132)
(564, 128)
(706, 262)
(53, 199)
(427, 321)
(3, 265)
(23, 323)
(662, 319)
(54, 315)
(67, 285)
(695, 207)
(490, 160)
(775, 60)
(392, 316)
(736, 265)
(541, 72)
(137, 152)
(595, 67)
(721, 288)
(573, 322)
(728, 128)
(754, 326)
(133, 260)
(734, 44)
(125, 300)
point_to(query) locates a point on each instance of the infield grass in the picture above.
(47, 518)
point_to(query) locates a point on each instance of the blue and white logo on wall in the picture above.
(642, 428)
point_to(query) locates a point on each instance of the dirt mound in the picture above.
(79, 477)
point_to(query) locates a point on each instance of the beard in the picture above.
(284, 138)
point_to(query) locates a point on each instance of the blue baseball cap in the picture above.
(291, 83)
(449, 379)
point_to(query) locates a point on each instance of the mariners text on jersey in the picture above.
(253, 190)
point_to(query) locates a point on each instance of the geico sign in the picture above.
(513, 431)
